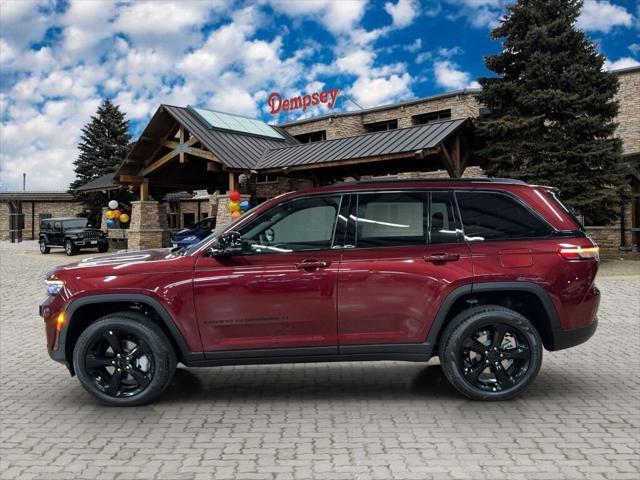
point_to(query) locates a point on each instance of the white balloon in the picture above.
(113, 204)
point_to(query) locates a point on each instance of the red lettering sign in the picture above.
(277, 104)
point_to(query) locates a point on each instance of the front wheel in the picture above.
(70, 248)
(103, 248)
(124, 359)
(490, 353)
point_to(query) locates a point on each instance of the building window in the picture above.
(173, 217)
(431, 117)
(267, 178)
(311, 137)
(382, 126)
(188, 220)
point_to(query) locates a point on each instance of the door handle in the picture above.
(310, 265)
(442, 257)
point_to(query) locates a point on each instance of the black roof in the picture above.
(104, 182)
(402, 140)
(511, 181)
(37, 196)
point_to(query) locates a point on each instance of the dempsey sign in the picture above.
(276, 103)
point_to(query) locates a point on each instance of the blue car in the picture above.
(189, 236)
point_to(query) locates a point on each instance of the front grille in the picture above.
(92, 235)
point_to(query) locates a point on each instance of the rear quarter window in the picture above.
(497, 216)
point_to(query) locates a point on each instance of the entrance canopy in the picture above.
(193, 148)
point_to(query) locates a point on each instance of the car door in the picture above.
(407, 256)
(57, 234)
(280, 292)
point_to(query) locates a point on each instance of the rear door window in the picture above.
(497, 216)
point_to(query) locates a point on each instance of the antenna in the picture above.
(342, 94)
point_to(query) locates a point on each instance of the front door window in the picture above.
(301, 225)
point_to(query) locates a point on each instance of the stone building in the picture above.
(22, 211)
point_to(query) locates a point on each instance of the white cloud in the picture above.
(338, 17)
(625, 62)
(635, 48)
(449, 75)
(603, 16)
(402, 13)
(478, 13)
(370, 92)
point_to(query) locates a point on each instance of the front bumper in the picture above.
(91, 242)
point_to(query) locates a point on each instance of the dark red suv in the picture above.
(482, 273)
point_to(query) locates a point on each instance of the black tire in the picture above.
(69, 248)
(43, 247)
(98, 365)
(490, 341)
(103, 248)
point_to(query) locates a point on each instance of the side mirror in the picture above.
(226, 245)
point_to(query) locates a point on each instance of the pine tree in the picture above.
(103, 146)
(552, 108)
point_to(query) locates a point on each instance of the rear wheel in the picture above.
(43, 247)
(124, 359)
(70, 248)
(490, 353)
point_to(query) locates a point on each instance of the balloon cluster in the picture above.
(237, 207)
(114, 215)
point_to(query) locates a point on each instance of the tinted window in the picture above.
(442, 225)
(391, 219)
(75, 223)
(299, 225)
(495, 216)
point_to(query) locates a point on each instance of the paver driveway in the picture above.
(580, 419)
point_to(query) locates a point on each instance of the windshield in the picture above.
(75, 223)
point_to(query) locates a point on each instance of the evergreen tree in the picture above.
(103, 146)
(552, 108)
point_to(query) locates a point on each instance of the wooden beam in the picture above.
(161, 161)
(131, 179)
(199, 152)
(181, 150)
(173, 144)
(144, 190)
(449, 164)
(232, 181)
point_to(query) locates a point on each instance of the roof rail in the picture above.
(435, 180)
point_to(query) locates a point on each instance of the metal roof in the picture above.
(403, 140)
(37, 196)
(104, 182)
(234, 149)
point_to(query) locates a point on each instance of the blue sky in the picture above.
(59, 58)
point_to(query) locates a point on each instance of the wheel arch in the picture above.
(86, 310)
(527, 298)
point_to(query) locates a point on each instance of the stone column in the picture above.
(4, 220)
(103, 219)
(149, 227)
(223, 215)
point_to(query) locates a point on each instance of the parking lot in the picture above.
(579, 420)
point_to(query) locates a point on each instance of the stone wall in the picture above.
(149, 226)
(4, 221)
(629, 114)
(339, 126)
(608, 237)
(283, 185)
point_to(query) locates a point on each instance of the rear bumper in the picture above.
(565, 338)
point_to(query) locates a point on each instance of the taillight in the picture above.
(580, 253)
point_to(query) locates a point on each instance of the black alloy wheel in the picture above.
(490, 353)
(121, 363)
(124, 359)
(495, 357)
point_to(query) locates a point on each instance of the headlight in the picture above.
(54, 286)
(190, 239)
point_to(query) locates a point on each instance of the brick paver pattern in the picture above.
(380, 420)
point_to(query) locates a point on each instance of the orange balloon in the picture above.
(116, 214)
(235, 215)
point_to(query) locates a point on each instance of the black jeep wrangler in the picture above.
(72, 234)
